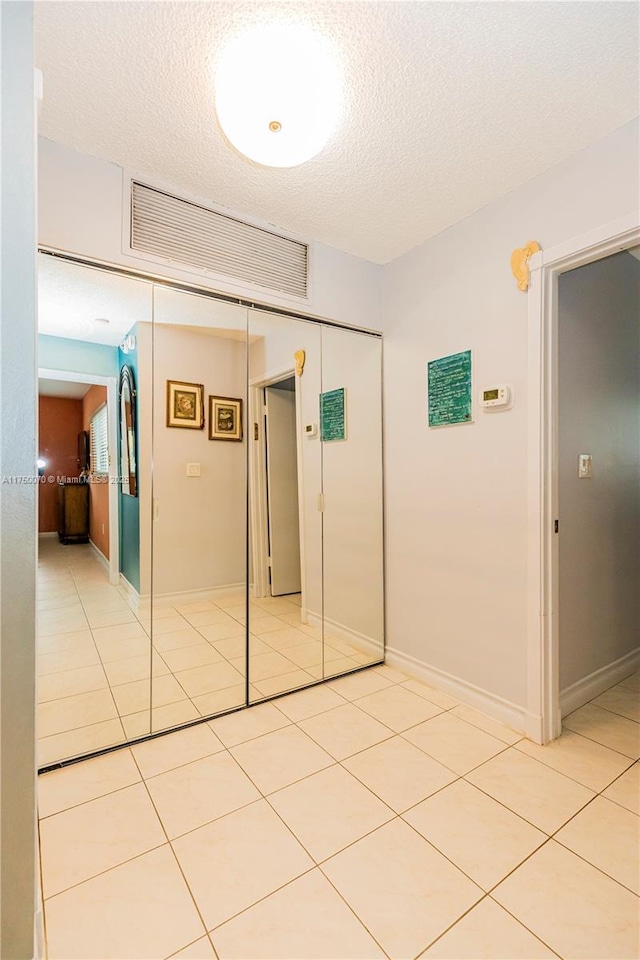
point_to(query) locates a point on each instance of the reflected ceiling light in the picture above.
(278, 94)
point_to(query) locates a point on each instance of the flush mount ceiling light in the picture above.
(279, 94)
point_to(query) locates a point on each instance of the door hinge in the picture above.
(256, 432)
(321, 503)
(268, 561)
(556, 524)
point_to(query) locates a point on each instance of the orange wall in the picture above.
(99, 489)
(60, 422)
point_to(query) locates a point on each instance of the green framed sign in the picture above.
(449, 390)
(333, 425)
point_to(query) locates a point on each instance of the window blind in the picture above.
(99, 442)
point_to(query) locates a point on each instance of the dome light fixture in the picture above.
(278, 94)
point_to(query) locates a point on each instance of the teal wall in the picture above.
(129, 511)
(77, 356)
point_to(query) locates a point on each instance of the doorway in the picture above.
(276, 494)
(544, 713)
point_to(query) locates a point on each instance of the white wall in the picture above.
(18, 512)
(599, 413)
(456, 498)
(199, 533)
(81, 210)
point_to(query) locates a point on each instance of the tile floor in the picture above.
(95, 656)
(371, 817)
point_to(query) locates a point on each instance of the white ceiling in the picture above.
(448, 105)
(62, 388)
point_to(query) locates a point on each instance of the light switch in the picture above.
(585, 464)
(193, 470)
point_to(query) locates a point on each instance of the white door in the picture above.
(282, 481)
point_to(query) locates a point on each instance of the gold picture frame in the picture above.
(225, 418)
(185, 404)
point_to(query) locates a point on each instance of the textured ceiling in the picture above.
(448, 105)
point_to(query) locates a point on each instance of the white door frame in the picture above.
(110, 383)
(258, 483)
(543, 680)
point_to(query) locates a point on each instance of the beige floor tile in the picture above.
(454, 743)
(176, 639)
(175, 749)
(317, 925)
(309, 703)
(621, 700)
(431, 693)
(606, 728)
(247, 724)
(390, 673)
(252, 854)
(107, 618)
(211, 703)
(264, 623)
(477, 719)
(579, 758)
(359, 684)
(184, 658)
(172, 715)
(608, 836)
(572, 907)
(488, 932)
(113, 650)
(103, 601)
(84, 655)
(81, 710)
(234, 647)
(173, 624)
(196, 793)
(215, 676)
(281, 684)
(273, 605)
(53, 622)
(82, 740)
(200, 950)
(329, 810)
(531, 789)
(222, 630)
(77, 639)
(405, 892)
(118, 633)
(135, 697)
(280, 637)
(61, 789)
(345, 730)
(86, 840)
(399, 773)
(309, 654)
(339, 667)
(397, 708)
(69, 683)
(280, 758)
(476, 833)
(135, 668)
(633, 681)
(204, 618)
(138, 911)
(196, 606)
(263, 666)
(626, 789)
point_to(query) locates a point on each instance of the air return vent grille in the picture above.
(179, 230)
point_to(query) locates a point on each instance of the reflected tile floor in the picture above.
(95, 662)
(424, 830)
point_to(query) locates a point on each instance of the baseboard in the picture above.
(499, 709)
(209, 594)
(49, 533)
(366, 644)
(580, 692)
(99, 554)
(132, 595)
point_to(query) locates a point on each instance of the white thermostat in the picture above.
(499, 396)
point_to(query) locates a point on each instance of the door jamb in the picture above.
(543, 682)
(258, 483)
(112, 432)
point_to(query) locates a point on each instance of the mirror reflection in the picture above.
(210, 506)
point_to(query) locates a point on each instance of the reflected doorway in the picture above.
(281, 483)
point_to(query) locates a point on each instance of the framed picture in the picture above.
(185, 404)
(225, 418)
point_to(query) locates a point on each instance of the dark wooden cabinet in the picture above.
(73, 524)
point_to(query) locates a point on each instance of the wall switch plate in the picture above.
(193, 470)
(311, 430)
(585, 466)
